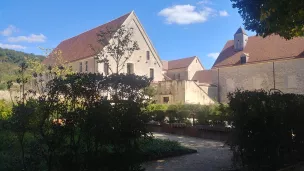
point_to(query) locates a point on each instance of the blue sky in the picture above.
(177, 28)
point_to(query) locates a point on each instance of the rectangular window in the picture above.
(178, 76)
(151, 73)
(86, 66)
(130, 68)
(80, 67)
(148, 55)
(166, 100)
(106, 69)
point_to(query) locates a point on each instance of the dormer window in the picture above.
(244, 58)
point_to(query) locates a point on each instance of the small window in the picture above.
(243, 60)
(86, 66)
(166, 100)
(106, 68)
(130, 68)
(148, 55)
(80, 67)
(151, 73)
(196, 61)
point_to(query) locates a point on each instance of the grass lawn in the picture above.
(154, 149)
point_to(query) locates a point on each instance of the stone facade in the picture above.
(181, 91)
(144, 62)
(285, 75)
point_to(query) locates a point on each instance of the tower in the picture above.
(240, 39)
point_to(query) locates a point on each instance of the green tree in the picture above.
(119, 46)
(266, 17)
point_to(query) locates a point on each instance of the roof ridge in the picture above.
(182, 58)
(96, 27)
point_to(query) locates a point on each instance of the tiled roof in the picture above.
(78, 47)
(203, 76)
(180, 63)
(261, 49)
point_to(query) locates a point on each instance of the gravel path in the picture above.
(211, 156)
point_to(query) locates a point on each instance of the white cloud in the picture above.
(9, 46)
(223, 13)
(30, 39)
(9, 30)
(186, 14)
(213, 55)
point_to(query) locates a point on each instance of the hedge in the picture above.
(180, 113)
(268, 129)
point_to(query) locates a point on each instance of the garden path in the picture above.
(211, 156)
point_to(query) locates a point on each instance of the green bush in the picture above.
(3, 86)
(267, 129)
(73, 127)
(152, 149)
(5, 110)
(153, 107)
(179, 113)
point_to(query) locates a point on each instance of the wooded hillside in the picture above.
(9, 61)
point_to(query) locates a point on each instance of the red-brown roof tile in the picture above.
(79, 47)
(180, 63)
(203, 76)
(261, 50)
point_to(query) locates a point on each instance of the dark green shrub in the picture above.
(203, 114)
(152, 149)
(267, 129)
(75, 127)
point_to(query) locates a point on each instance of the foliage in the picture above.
(153, 149)
(9, 61)
(179, 113)
(150, 92)
(5, 110)
(267, 129)
(153, 107)
(119, 47)
(17, 57)
(266, 17)
(82, 123)
(59, 66)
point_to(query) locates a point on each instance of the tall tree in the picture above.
(266, 17)
(118, 45)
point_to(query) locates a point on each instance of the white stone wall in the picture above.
(193, 68)
(289, 77)
(181, 91)
(142, 66)
(194, 94)
(92, 65)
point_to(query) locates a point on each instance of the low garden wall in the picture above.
(205, 132)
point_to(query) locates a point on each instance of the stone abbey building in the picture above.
(245, 62)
